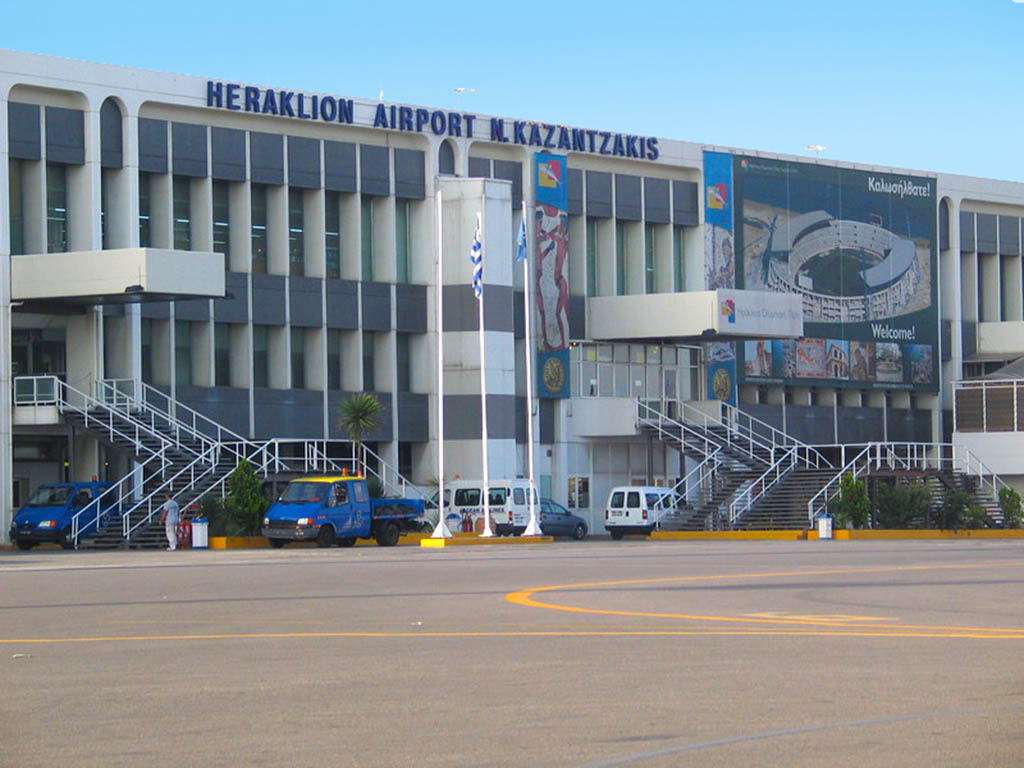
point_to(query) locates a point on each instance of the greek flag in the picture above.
(476, 255)
(521, 240)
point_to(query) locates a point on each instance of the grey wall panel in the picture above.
(24, 138)
(152, 145)
(1009, 236)
(342, 304)
(656, 202)
(111, 138)
(383, 433)
(511, 171)
(65, 136)
(227, 146)
(194, 311)
(574, 178)
(946, 339)
(410, 174)
(288, 413)
(986, 233)
(545, 421)
(968, 338)
(113, 310)
(518, 316)
(413, 417)
(479, 168)
(966, 231)
(188, 148)
(303, 162)
(266, 158)
(374, 173)
(305, 304)
(627, 197)
(411, 308)
(943, 224)
(227, 406)
(268, 299)
(462, 417)
(156, 310)
(684, 203)
(340, 166)
(521, 431)
(461, 312)
(907, 425)
(766, 412)
(810, 423)
(861, 425)
(376, 306)
(599, 194)
(234, 308)
(577, 317)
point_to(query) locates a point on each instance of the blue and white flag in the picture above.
(476, 255)
(521, 240)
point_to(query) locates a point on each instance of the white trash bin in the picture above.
(824, 527)
(200, 533)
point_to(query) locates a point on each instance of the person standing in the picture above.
(169, 517)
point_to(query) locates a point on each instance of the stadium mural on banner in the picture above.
(858, 247)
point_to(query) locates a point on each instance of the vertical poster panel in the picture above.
(551, 279)
(719, 267)
(860, 249)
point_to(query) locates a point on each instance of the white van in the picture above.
(636, 509)
(508, 501)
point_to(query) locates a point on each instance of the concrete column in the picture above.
(6, 416)
(314, 233)
(33, 191)
(279, 376)
(636, 272)
(277, 230)
(351, 242)
(240, 228)
(663, 276)
(201, 201)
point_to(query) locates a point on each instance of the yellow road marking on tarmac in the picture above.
(841, 618)
(526, 598)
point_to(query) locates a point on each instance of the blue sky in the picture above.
(931, 86)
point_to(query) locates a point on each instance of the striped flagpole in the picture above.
(441, 529)
(523, 255)
(476, 255)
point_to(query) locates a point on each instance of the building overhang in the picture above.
(54, 282)
(721, 315)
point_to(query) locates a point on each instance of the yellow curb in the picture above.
(258, 542)
(982, 533)
(474, 540)
(728, 536)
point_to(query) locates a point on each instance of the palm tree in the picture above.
(360, 414)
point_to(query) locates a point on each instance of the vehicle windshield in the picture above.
(50, 497)
(302, 493)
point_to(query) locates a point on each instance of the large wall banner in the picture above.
(551, 279)
(859, 248)
(719, 267)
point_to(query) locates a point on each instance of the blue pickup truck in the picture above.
(48, 514)
(337, 509)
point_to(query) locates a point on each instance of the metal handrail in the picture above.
(701, 442)
(100, 509)
(705, 471)
(744, 500)
(734, 437)
(779, 439)
(208, 467)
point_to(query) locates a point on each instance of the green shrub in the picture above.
(959, 511)
(1009, 503)
(375, 486)
(851, 507)
(245, 502)
(901, 506)
(212, 508)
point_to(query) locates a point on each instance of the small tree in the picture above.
(901, 506)
(245, 502)
(359, 414)
(959, 511)
(1009, 503)
(851, 507)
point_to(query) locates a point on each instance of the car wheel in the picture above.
(616, 534)
(388, 535)
(326, 536)
(347, 541)
(25, 544)
(277, 543)
(66, 541)
(579, 532)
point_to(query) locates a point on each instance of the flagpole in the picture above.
(441, 529)
(532, 529)
(478, 286)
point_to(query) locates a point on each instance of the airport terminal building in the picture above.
(240, 258)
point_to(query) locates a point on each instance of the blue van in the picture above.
(47, 515)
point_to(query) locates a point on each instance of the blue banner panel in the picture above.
(551, 180)
(553, 374)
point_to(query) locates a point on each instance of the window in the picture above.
(298, 358)
(146, 344)
(405, 459)
(333, 359)
(402, 361)
(222, 354)
(620, 259)
(16, 216)
(104, 207)
(296, 232)
(591, 257)
(446, 159)
(650, 249)
(259, 229)
(366, 214)
(183, 352)
(369, 382)
(260, 359)
(679, 261)
(145, 236)
(402, 241)
(332, 227)
(182, 213)
(221, 219)
(466, 497)
(56, 209)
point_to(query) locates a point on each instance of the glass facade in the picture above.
(56, 209)
(222, 219)
(296, 232)
(366, 231)
(258, 225)
(16, 218)
(402, 241)
(145, 231)
(182, 213)
(332, 233)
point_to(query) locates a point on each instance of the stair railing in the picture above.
(667, 427)
(771, 477)
(856, 466)
(776, 438)
(747, 443)
(700, 477)
(112, 500)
